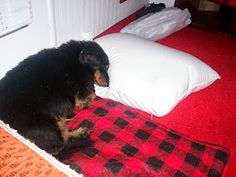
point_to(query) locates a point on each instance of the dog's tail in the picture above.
(74, 146)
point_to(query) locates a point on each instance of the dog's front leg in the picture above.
(84, 103)
(67, 133)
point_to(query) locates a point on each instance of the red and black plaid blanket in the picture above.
(130, 144)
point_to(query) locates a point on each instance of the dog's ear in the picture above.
(88, 58)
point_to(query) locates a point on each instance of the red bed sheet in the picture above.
(208, 115)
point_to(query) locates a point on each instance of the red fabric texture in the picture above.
(208, 115)
(226, 2)
(127, 143)
(121, 1)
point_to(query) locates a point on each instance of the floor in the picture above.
(222, 21)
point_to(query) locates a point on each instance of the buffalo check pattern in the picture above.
(128, 143)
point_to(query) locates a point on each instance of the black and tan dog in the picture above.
(38, 96)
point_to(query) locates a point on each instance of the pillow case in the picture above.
(149, 76)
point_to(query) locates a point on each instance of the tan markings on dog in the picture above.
(78, 103)
(99, 79)
(84, 103)
(67, 133)
(56, 150)
(63, 128)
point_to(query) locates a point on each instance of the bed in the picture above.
(204, 121)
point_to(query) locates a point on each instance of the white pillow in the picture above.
(150, 76)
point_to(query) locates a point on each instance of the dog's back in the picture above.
(39, 83)
(38, 96)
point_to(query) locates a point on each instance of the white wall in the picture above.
(17, 46)
(168, 3)
(73, 19)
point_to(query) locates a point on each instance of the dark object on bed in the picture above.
(152, 8)
(38, 96)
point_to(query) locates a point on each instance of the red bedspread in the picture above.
(208, 115)
(128, 143)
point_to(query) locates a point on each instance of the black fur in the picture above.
(42, 89)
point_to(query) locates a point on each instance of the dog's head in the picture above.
(95, 57)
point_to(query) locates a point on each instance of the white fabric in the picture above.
(160, 24)
(150, 76)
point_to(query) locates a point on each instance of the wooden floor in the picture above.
(217, 21)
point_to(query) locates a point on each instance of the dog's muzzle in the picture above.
(102, 78)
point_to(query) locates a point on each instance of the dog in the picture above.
(38, 96)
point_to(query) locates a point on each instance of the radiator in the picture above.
(85, 19)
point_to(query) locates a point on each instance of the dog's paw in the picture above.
(55, 150)
(84, 132)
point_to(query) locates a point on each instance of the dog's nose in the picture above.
(107, 80)
(106, 84)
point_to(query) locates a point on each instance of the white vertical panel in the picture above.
(85, 19)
